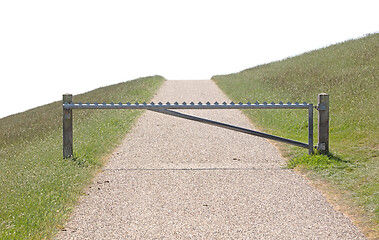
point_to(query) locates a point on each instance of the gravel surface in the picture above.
(177, 179)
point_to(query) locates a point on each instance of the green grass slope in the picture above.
(349, 73)
(38, 188)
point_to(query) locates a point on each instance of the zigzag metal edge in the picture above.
(184, 105)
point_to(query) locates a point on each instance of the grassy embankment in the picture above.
(38, 188)
(349, 73)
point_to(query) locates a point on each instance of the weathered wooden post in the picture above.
(67, 128)
(323, 123)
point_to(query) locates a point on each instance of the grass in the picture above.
(38, 188)
(349, 73)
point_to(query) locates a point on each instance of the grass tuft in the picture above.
(319, 162)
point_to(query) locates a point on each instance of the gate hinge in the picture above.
(321, 107)
(66, 114)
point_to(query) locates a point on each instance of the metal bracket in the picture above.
(321, 107)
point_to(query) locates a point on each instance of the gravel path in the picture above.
(177, 179)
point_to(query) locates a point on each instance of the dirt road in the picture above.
(176, 179)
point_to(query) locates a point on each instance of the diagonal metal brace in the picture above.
(230, 127)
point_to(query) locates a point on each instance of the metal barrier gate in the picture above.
(167, 108)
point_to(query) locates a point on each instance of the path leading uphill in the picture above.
(176, 179)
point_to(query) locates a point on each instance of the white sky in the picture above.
(50, 47)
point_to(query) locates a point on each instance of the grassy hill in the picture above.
(349, 73)
(37, 187)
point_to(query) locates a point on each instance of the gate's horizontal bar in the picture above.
(231, 127)
(184, 105)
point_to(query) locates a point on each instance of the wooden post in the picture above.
(67, 128)
(323, 123)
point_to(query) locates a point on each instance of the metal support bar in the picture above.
(231, 127)
(310, 129)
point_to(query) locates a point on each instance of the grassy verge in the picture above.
(349, 73)
(38, 188)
